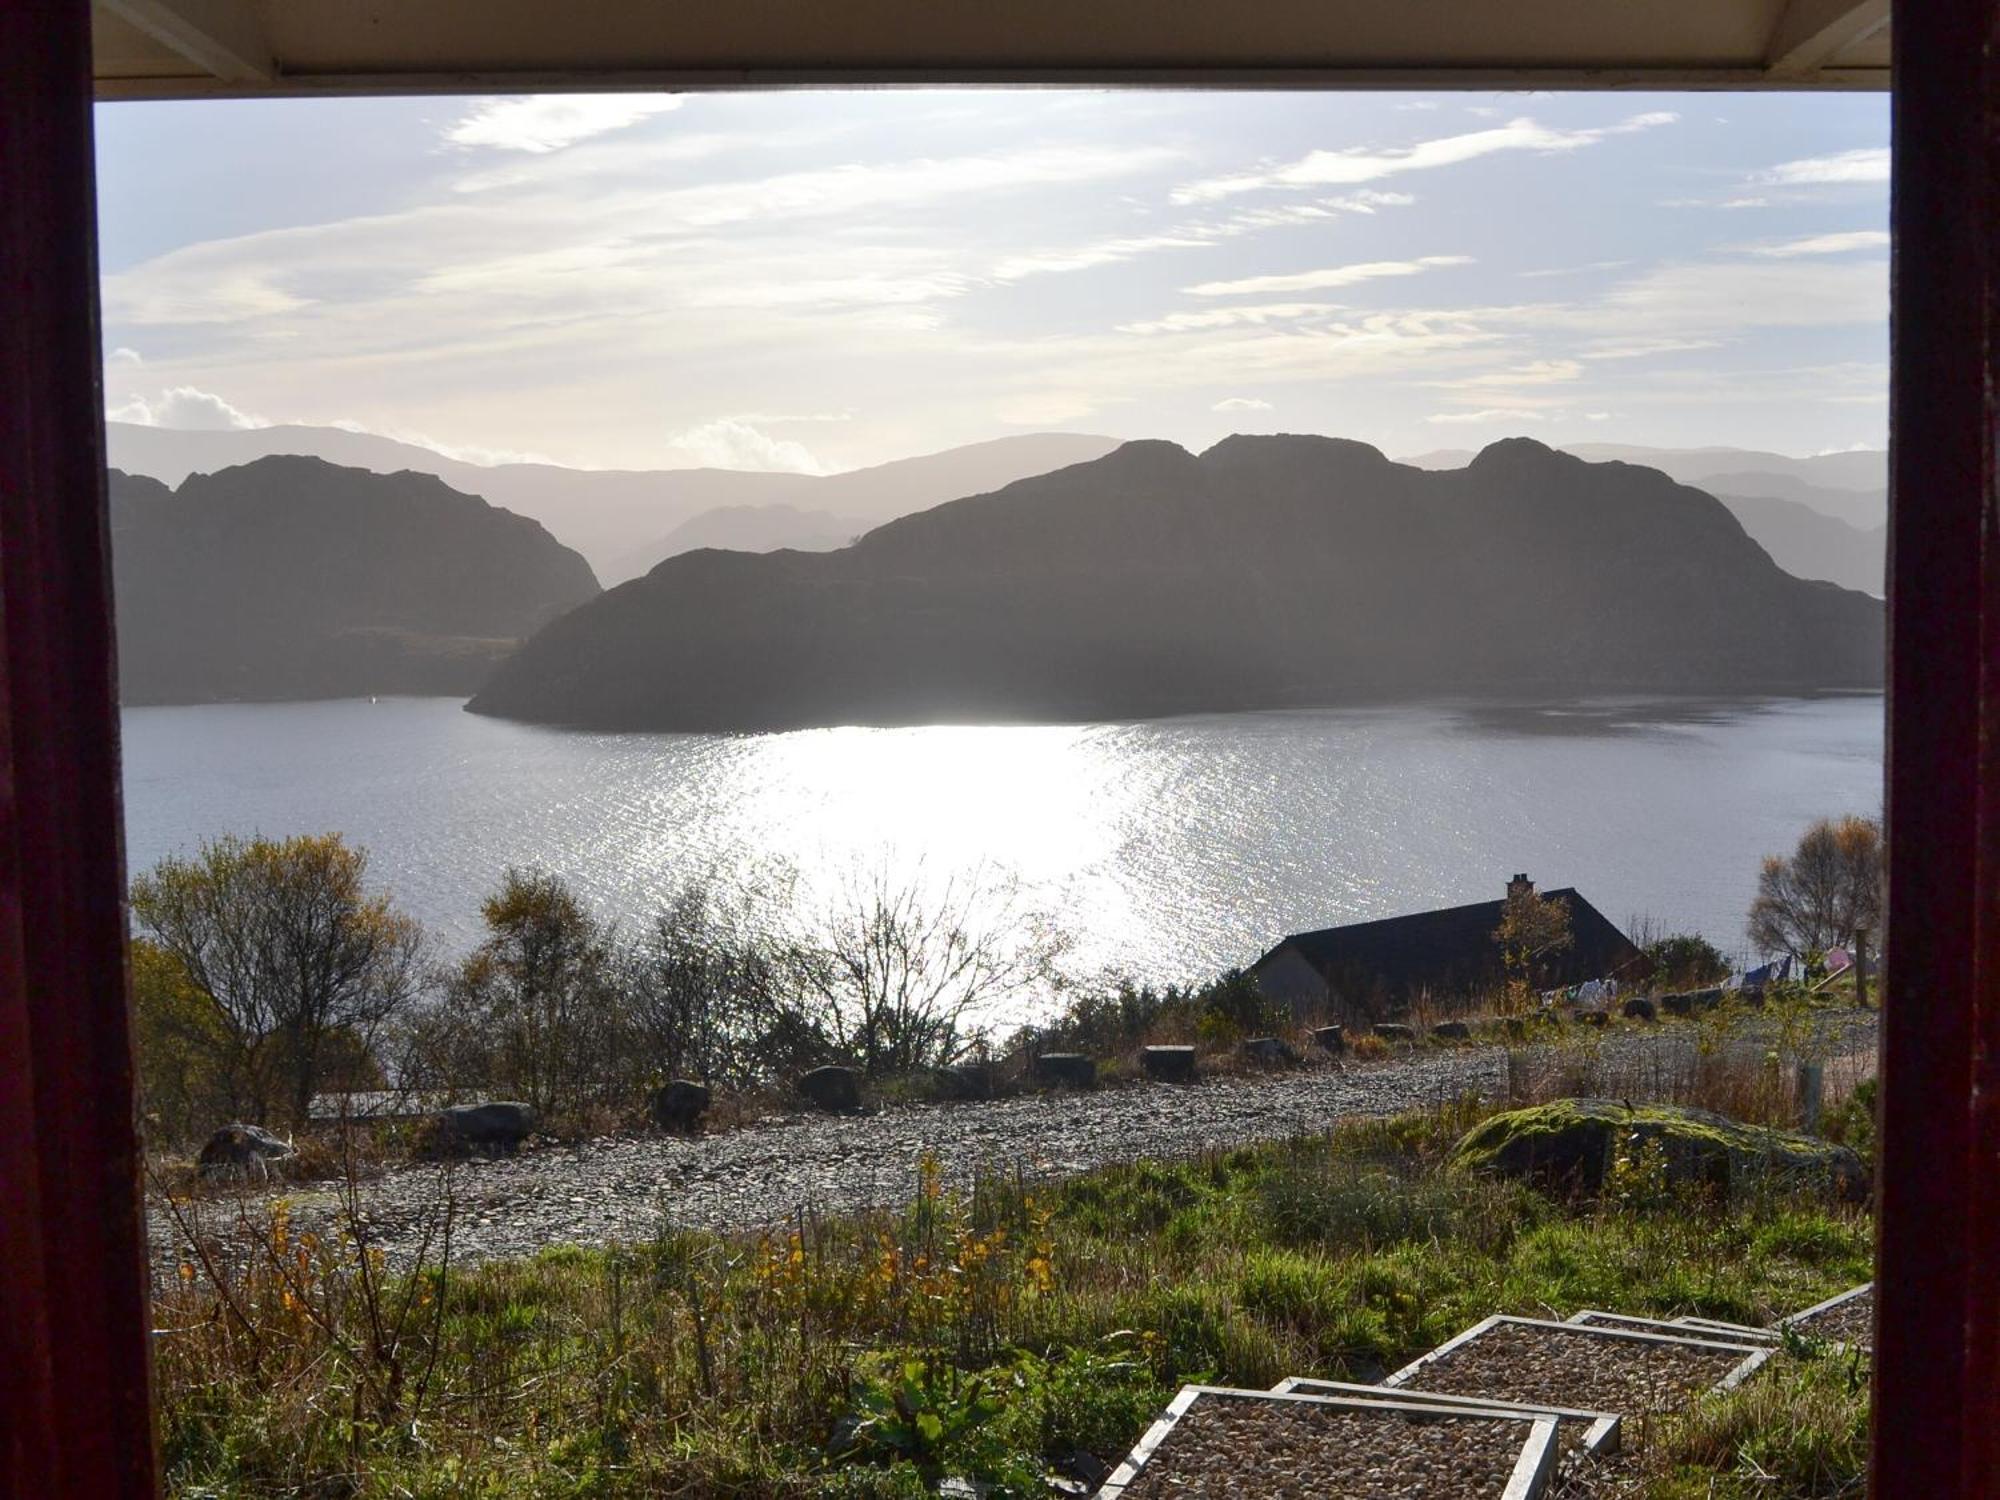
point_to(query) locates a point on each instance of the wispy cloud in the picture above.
(1870, 164)
(1358, 165)
(1241, 403)
(550, 122)
(1330, 276)
(1255, 316)
(1825, 244)
(1485, 417)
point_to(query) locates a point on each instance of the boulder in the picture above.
(499, 1125)
(1392, 1031)
(1639, 1008)
(1689, 1001)
(966, 1081)
(1168, 1064)
(1569, 1144)
(1330, 1038)
(1076, 1069)
(1452, 1031)
(679, 1105)
(242, 1151)
(835, 1089)
(1266, 1051)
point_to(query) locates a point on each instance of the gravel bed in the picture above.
(1296, 1450)
(627, 1188)
(1850, 1322)
(1561, 1365)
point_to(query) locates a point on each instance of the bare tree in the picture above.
(702, 992)
(1828, 890)
(296, 963)
(897, 978)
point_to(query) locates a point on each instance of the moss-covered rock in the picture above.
(1570, 1145)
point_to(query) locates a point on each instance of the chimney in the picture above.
(1520, 885)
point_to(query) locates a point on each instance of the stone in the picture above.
(1639, 1008)
(834, 1089)
(242, 1151)
(1392, 1031)
(499, 1125)
(1690, 1001)
(966, 1081)
(1168, 1064)
(1266, 1051)
(1076, 1069)
(679, 1105)
(1330, 1038)
(1452, 1031)
(1569, 1144)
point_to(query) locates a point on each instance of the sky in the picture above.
(817, 281)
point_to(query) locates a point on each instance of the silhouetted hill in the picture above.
(621, 519)
(1267, 572)
(295, 578)
(744, 528)
(1807, 542)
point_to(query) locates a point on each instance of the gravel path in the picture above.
(1294, 1450)
(625, 1189)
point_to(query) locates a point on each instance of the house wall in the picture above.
(1285, 978)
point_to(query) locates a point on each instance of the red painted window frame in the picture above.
(75, 1418)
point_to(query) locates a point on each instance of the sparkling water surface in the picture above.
(1166, 849)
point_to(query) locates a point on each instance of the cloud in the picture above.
(1536, 372)
(1046, 408)
(731, 443)
(1196, 235)
(123, 355)
(1825, 244)
(1871, 164)
(185, 407)
(1331, 276)
(1241, 403)
(1255, 316)
(1490, 414)
(549, 122)
(1356, 165)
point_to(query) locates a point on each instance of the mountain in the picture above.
(744, 528)
(1834, 526)
(1266, 572)
(620, 519)
(296, 578)
(1808, 543)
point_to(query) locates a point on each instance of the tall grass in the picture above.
(992, 1334)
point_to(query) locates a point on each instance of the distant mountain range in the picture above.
(1266, 572)
(294, 578)
(1820, 517)
(622, 520)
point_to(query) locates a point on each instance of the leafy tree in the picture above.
(180, 1046)
(1686, 961)
(1828, 890)
(296, 963)
(537, 997)
(1533, 929)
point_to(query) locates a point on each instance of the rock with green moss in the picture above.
(1572, 1145)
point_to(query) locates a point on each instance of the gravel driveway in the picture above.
(625, 1188)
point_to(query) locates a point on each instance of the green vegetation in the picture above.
(989, 1335)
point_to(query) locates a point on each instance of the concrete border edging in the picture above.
(1528, 1480)
(1602, 1435)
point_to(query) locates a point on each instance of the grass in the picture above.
(993, 1335)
